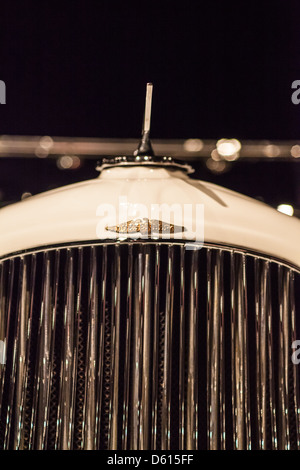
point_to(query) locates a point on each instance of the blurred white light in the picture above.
(295, 151)
(286, 209)
(216, 167)
(271, 151)
(76, 163)
(68, 162)
(229, 148)
(233, 157)
(65, 162)
(215, 155)
(46, 142)
(41, 152)
(193, 145)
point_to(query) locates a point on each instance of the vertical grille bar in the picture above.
(90, 420)
(155, 347)
(294, 366)
(265, 386)
(101, 343)
(15, 362)
(261, 350)
(146, 381)
(127, 365)
(182, 347)
(137, 353)
(54, 358)
(7, 279)
(215, 353)
(167, 372)
(271, 362)
(18, 372)
(284, 357)
(68, 362)
(45, 350)
(141, 354)
(192, 367)
(239, 354)
(2, 316)
(3, 324)
(115, 359)
(220, 261)
(78, 372)
(24, 326)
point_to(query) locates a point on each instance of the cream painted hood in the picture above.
(77, 213)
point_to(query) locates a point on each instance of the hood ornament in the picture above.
(146, 227)
(145, 147)
(144, 154)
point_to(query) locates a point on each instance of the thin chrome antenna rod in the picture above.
(148, 106)
(145, 147)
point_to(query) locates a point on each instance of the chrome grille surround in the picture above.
(148, 346)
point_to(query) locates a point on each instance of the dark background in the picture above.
(219, 68)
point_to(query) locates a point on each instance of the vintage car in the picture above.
(145, 309)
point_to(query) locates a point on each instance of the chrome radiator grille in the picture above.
(148, 346)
